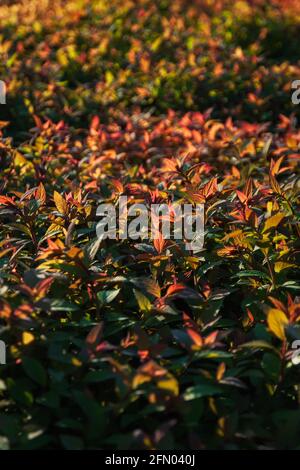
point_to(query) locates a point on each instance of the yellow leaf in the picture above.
(273, 221)
(109, 78)
(139, 379)
(143, 301)
(21, 162)
(170, 384)
(27, 338)
(221, 426)
(60, 203)
(62, 58)
(76, 362)
(277, 320)
(280, 265)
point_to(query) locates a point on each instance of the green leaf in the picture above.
(71, 442)
(34, 370)
(202, 390)
(143, 301)
(60, 305)
(107, 296)
(271, 364)
(251, 273)
(257, 344)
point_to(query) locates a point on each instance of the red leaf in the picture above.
(175, 288)
(95, 335)
(7, 201)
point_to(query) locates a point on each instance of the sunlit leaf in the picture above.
(277, 321)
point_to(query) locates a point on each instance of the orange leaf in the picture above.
(7, 201)
(274, 185)
(41, 193)
(159, 243)
(210, 188)
(5, 310)
(242, 197)
(195, 337)
(221, 371)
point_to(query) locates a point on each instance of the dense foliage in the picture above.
(141, 344)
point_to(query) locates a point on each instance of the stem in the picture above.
(271, 272)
